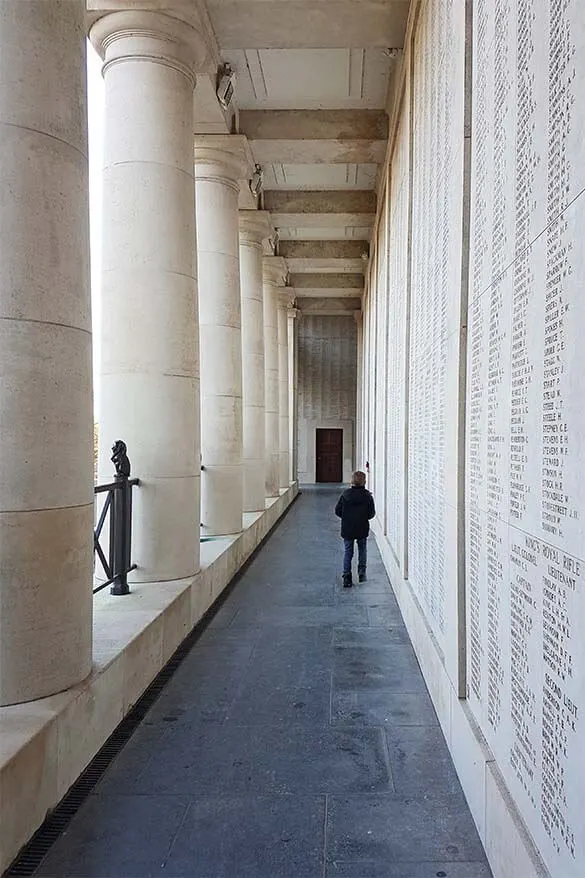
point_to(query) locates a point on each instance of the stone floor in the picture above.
(296, 739)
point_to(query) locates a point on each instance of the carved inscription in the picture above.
(526, 412)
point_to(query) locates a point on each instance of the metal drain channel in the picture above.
(55, 824)
(33, 853)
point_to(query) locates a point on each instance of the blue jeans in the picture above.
(362, 555)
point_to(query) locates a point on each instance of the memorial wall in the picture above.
(526, 420)
(327, 390)
(518, 568)
(372, 355)
(398, 290)
(381, 346)
(437, 169)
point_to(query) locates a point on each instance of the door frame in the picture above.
(340, 459)
(308, 443)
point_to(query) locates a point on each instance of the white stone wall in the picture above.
(473, 374)
(525, 485)
(327, 370)
(398, 284)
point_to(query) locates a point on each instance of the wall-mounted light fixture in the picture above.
(256, 181)
(225, 85)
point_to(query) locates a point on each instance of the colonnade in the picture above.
(195, 327)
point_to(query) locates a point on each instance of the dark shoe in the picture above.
(347, 580)
(362, 577)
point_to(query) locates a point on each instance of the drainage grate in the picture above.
(55, 824)
(31, 856)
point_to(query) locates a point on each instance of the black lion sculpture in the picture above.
(120, 459)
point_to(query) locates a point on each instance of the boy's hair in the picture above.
(358, 479)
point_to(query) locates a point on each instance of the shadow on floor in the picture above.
(297, 738)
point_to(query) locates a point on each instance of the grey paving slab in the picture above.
(206, 658)
(281, 705)
(206, 682)
(368, 869)
(296, 738)
(278, 637)
(380, 616)
(224, 617)
(227, 636)
(394, 668)
(373, 588)
(420, 760)
(380, 600)
(117, 837)
(135, 754)
(369, 599)
(383, 708)
(215, 838)
(385, 830)
(300, 594)
(348, 614)
(348, 637)
(308, 666)
(232, 759)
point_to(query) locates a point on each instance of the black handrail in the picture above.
(118, 504)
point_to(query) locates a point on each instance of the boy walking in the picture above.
(355, 507)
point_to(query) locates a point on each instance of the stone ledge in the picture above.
(508, 845)
(46, 744)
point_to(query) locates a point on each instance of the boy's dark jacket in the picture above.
(355, 507)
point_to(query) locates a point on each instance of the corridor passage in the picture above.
(296, 739)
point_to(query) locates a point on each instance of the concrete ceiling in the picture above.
(308, 24)
(312, 85)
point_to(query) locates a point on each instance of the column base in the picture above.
(46, 633)
(254, 486)
(222, 492)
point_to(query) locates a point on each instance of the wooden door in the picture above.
(329, 450)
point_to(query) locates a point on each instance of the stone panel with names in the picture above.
(526, 412)
(398, 281)
(434, 325)
(381, 367)
(327, 366)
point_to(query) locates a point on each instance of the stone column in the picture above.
(150, 377)
(254, 228)
(293, 315)
(219, 164)
(284, 302)
(46, 417)
(274, 272)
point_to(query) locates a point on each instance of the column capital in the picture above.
(286, 298)
(223, 158)
(274, 270)
(294, 313)
(255, 227)
(134, 35)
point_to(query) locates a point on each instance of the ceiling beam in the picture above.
(352, 282)
(325, 221)
(316, 136)
(323, 249)
(345, 125)
(333, 209)
(359, 202)
(324, 293)
(328, 306)
(292, 24)
(324, 266)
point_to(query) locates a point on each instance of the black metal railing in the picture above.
(117, 511)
